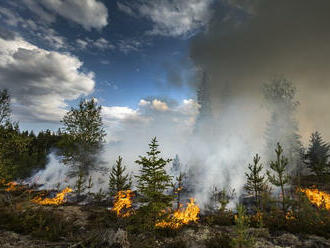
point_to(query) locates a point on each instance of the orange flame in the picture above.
(317, 197)
(12, 186)
(122, 202)
(182, 216)
(58, 200)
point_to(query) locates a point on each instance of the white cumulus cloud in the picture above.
(41, 81)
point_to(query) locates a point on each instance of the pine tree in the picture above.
(179, 188)
(255, 182)
(317, 155)
(118, 180)
(153, 180)
(280, 178)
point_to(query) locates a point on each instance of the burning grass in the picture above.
(57, 200)
(181, 216)
(317, 197)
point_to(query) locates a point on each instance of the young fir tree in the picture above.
(317, 155)
(280, 178)
(255, 181)
(118, 180)
(153, 180)
(179, 188)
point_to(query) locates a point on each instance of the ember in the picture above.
(58, 200)
(317, 197)
(123, 203)
(182, 216)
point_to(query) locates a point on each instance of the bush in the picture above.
(39, 222)
(221, 240)
(222, 218)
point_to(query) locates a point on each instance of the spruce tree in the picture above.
(118, 180)
(317, 155)
(153, 180)
(280, 178)
(255, 181)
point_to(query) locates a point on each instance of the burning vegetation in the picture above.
(57, 200)
(317, 197)
(123, 203)
(182, 216)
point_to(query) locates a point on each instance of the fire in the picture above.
(12, 186)
(182, 216)
(58, 200)
(318, 197)
(122, 202)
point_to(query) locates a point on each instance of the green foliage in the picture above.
(118, 180)
(317, 155)
(41, 223)
(83, 137)
(242, 238)
(80, 185)
(225, 218)
(255, 182)
(153, 180)
(280, 178)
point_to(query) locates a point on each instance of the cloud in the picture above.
(151, 117)
(100, 43)
(41, 81)
(130, 45)
(88, 13)
(47, 35)
(172, 18)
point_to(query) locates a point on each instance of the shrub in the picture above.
(221, 240)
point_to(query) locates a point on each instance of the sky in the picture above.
(54, 53)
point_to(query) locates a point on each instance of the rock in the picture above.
(120, 237)
(287, 240)
(315, 242)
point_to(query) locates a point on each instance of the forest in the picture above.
(285, 201)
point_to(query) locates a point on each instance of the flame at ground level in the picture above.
(57, 200)
(12, 186)
(317, 197)
(182, 216)
(123, 202)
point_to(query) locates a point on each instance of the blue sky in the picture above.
(127, 50)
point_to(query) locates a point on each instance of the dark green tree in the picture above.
(118, 179)
(255, 181)
(153, 181)
(317, 155)
(83, 137)
(280, 177)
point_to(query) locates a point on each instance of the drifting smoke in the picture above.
(245, 45)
